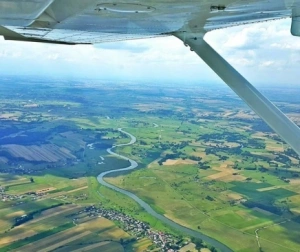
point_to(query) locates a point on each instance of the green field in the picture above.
(205, 161)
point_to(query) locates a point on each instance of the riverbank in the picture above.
(147, 207)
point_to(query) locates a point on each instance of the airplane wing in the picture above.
(95, 21)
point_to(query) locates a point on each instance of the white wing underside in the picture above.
(91, 21)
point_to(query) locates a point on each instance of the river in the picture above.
(147, 207)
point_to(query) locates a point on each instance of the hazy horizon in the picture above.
(265, 53)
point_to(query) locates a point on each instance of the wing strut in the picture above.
(282, 125)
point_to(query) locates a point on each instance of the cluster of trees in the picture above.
(179, 155)
(163, 113)
(217, 149)
(290, 152)
(195, 158)
(283, 159)
(29, 216)
(226, 136)
(20, 220)
(252, 167)
(200, 244)
(142, 142)
(260, 125)
(175, 147)
(255, 144)
(168, 156)
(203, 165)
(248, 154)
(127, 240)
(209, 198)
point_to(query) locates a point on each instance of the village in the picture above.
(138, 229)
(31, 195)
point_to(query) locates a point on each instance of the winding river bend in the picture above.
(147, 207)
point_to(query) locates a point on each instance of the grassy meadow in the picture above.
(205, 161)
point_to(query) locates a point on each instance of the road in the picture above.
(257, 230)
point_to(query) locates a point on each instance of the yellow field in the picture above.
(19, 236)
(220, 144)
(96, 234)
(54, 241)
(13, 181)
(107, 246)
(179, 161)
(234, 196)
(45, 221)
(54, 212)
(15, 214)
(110, 230)
(226, 173)
(191, 247)
(142, 245)
(269, 188)
(11, 116)
(188, 247)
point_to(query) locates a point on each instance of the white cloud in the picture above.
(263, 52)
(267, 63)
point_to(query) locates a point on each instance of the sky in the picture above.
(265, 53)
